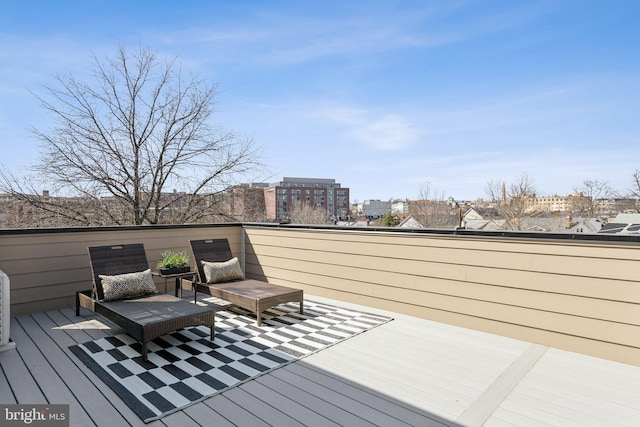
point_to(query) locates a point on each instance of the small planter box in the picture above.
(177, 270)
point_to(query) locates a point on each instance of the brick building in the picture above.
(281, 197)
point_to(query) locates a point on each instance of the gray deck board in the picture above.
(5, 389)
(180, 419)
(82, 332)
(95, 399)
(397, 411)
(42, 360)
(406, 372)
(205, 415)
(233, 412)
(58, 375)
(337, 399)
(260, 389)
(22, 383)
(310, 401)
(269, 414)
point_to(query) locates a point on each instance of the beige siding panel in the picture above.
(557, 322)
(582, 296)
(577, 282)
(356, 260)
(47, 265)
(547, 282)
(46, 269)
(617, 250)
(40, 305)
(397, 249)
(611, 351)
(594, 287)
(576, 305)
(603, 266)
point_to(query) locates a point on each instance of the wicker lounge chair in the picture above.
(250, 294)
(144, 317)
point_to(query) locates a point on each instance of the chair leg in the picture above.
(77, 304)
(259, 318)
(194, 286)
(301, 307)
(144, 351)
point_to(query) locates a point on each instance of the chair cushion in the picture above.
(216, 272)
(127, 285)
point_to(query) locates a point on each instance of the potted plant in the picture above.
(174, 262)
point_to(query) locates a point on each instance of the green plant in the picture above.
(387, 220)
(173, 259)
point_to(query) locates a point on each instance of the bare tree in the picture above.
(431, 209)
(588, 198)
(513, 201)
(635, 189)
(305, 213)
(121, 140)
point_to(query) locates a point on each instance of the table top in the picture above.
(185, 274)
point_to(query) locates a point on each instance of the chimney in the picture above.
(568, 222)
(45, 193)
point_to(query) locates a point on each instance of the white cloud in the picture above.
(377, 131)
(388, 132)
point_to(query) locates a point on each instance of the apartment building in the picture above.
(374, 209)
(553, 203)
(245, 202)
(282, 197)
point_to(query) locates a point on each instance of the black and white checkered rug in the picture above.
(185, 367)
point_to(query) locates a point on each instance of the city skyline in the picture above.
(381, 96)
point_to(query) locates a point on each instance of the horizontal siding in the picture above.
(423, 290)
(577, 295)
(580, 296)
(46, 269)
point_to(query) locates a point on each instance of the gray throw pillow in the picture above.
(127, 285)
(216, 272)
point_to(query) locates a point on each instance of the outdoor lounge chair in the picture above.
(144, 317)
(250, 294)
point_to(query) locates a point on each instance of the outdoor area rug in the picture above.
(185, 367)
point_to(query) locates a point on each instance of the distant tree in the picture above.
(588, 198)
(138, 129)
(513, 201)
(430, 209)
(635, 189)
(304, 213)
(387, 220)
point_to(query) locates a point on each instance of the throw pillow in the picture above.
(215, 272)
(127, 285)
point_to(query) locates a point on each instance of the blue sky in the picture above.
(383, 96)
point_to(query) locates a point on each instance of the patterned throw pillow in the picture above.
(127, 285)
(216, 272)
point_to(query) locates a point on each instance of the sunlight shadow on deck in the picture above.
(406, 372)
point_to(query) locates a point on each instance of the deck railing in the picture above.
(580, 293)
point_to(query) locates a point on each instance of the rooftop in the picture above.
(488, 329)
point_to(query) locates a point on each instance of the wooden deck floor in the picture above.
(406, 372)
